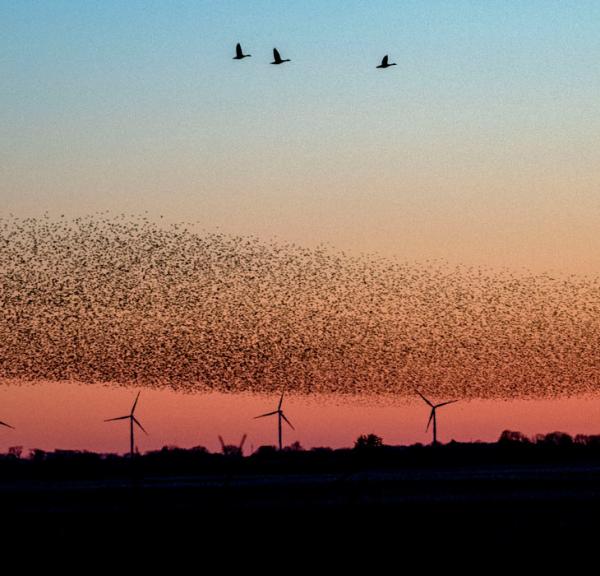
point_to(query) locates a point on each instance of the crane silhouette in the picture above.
(231, 449)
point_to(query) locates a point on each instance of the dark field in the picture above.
(477, 491)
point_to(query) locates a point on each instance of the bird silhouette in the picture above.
(239, 55)
(277, 58)
(385, 64)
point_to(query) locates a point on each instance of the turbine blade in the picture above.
(135, 403)
(7, 425)
(445, 403)
(281, 401)
(290, 424)
(119, 418)
(421, 395)
(136, 421)
(430, 419)
(267, 414)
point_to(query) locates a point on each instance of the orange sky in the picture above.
(480, 148)
(70, 416)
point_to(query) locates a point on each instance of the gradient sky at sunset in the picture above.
(479, 147)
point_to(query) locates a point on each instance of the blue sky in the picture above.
(484, 134)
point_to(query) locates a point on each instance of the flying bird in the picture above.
(277, 58)
(239, 55)
(385, 64)
(449, 326)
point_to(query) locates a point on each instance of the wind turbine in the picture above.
(432, 415)
(132, 419)
(280, 417)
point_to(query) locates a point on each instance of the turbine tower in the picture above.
(132, 420)
(280, 417)
(433, 416)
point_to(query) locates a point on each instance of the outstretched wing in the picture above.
(385, 60)
(276, 55)
(238, 50)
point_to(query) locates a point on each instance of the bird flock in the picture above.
(122, 299)
(239, 55)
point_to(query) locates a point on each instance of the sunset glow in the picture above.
(212, 231)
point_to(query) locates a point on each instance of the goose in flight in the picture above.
(277, 58)
(239, 54)
(384, 63)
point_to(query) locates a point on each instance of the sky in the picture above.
(50, 415)
(479, 147)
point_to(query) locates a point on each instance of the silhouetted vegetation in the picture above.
(493, 488)
(369, 451)
(368, 442)
(510, 437)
